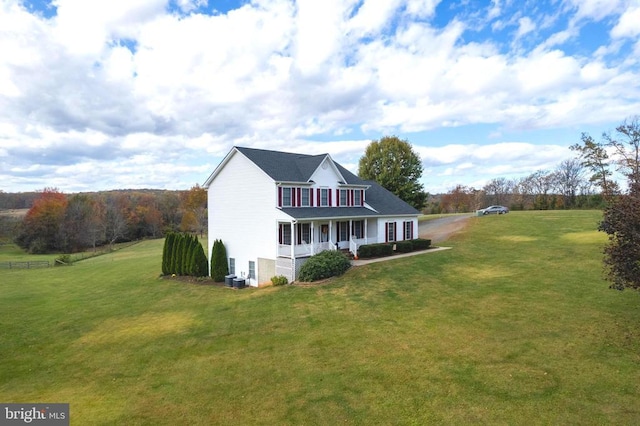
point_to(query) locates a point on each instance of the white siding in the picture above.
(242, 213)
(399, 221)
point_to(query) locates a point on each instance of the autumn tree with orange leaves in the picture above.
(41, 229)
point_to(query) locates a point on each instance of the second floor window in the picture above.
(324, 197)
(357, 197)
(344, 196)
(286, 197)
(304, 197)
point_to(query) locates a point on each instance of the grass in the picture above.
(514, 325)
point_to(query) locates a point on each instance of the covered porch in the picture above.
(304, 238)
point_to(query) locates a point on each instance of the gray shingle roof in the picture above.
(290, 167)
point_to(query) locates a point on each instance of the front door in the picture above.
(324, 233)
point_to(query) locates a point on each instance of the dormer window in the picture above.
(357, 198)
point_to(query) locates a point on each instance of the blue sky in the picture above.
(113, 94)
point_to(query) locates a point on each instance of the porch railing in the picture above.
(302, 250)
(354, 243)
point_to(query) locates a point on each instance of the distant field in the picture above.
(17, 213)
(514, 325)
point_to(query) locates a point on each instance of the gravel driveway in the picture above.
(441, 229)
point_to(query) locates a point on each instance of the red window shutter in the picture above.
(318, 194)
(338, 197)
(279, 196)
(351, 195)
(311, 197)
(361, 197)
(330, 203)
(299, 200)
(386, 232)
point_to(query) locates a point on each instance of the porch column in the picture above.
(313, 238)
(365, 231)
(331, 233)
(293, 240)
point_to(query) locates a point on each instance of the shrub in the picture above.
(199, 267)
(219, 265)
(279, 280)
(326, 264)
(167, 253)
(63, 260)
(421, 244)
(404, 246)
(375, 250)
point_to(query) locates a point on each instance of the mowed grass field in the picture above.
(514, 325)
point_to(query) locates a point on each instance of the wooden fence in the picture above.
(33, 264)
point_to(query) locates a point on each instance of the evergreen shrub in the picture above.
(326, 264)
(421, 243)
(219, 264)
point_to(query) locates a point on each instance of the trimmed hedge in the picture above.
(404, 246)
(375, 250)
(386, 249)
(325, 264)
(421, 243)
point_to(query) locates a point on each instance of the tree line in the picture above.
(565, 187)
(67, 223)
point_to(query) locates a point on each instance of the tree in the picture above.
(42, 225)
(497, 191)
(595, 158)
(194, 204)
(115, 223)
(568, 178)
(393, 164)
(621, 219)
(460, 199)
(219, 266)
(626, 144)
(80, 225)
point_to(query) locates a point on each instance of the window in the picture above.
(252, 269)
(391, 231)
(343, 231)
(304, 233)
(358, 229)
(344, 197)
(324, 197)
(304, 197)
(286, 197)
(357, 197)
(232, 266)
(284, 234)
(408, 230)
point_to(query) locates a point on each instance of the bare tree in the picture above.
(498, 191)
(626, 144)
(568, 177)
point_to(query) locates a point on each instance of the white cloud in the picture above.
(134, 87)
(628, 25)
(525, 26)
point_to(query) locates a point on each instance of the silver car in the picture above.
(495, 210)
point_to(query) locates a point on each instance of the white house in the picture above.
(272, 210)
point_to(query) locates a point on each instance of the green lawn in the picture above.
(515, 325)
